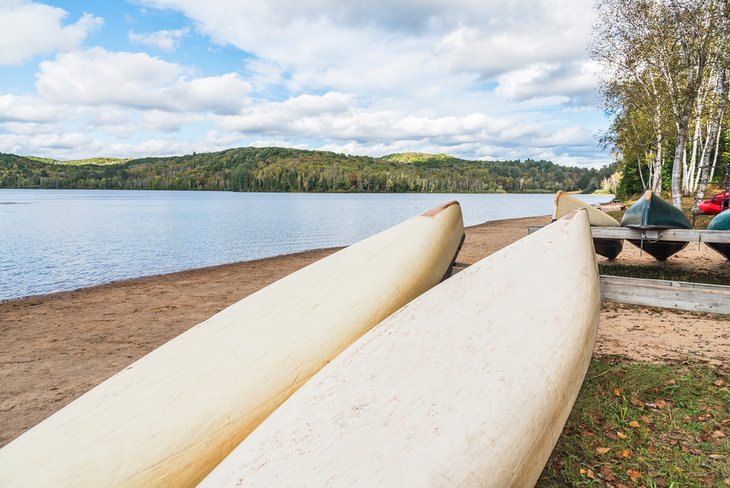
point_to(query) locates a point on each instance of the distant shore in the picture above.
(55, 347)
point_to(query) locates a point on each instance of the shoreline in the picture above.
(214, 267)
(141, 279)
(55, 347)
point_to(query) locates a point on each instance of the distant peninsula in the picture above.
(275, 169)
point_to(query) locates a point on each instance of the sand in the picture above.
(54, 348)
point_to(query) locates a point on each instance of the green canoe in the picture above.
(653, 213)
(720, 222)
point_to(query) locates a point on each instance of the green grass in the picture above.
(651, 425)
(661, 273)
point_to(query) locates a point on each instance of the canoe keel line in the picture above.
(173, 415)
(470, 384)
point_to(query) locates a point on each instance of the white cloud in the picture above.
(137, 80)
(344, 45)
(224, 94)
(29, 109)
(28, 29)
(158, 120)
(571, 80)
(166, 40)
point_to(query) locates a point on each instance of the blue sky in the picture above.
(479, 79)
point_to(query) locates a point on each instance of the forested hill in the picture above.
(281, 169)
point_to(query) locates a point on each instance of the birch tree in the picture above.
(669, 48)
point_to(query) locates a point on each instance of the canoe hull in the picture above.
(720, 222)
(170, 417)
(468, 385)
(608, 248)
(565, 204)
(721, 247)
(660, 250)
(652, 213)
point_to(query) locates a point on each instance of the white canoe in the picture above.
(171, 416)
(564, 204)
(468, 385)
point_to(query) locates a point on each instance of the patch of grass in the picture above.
(661, 273)
(649, 425)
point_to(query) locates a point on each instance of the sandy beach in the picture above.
(54, 348)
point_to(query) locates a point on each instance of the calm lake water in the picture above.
(56, 240)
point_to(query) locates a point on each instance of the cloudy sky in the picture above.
(479, 79)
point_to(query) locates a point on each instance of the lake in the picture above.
(57, 240)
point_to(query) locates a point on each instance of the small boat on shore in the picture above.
(564, 204)
(720, 222)
(169, 418)
(719, 203)
(466, 385)
(650, 213)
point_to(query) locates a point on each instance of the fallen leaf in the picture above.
(591, 474)
(602, 450)
(718, 434)
(626, 453)
(621, 435)
(617, 391)
(607, 474)
(660, 404)
(582, 471)
(633, 474)
(719, 383)
(646, 419)
(633, 423)
(670, 382)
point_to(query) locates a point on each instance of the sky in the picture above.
(476, 79)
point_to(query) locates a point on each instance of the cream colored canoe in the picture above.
(170, 417)
(564, 204)
(468, 385)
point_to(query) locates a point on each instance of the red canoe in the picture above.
(716, 204)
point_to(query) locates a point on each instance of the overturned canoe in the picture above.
(719, 203)
(564, 204)
(720, 222)
(468, 385)
(171, 416)
(652, 213)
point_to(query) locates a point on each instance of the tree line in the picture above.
(292, 170)
(665, 66)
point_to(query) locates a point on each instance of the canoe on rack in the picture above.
(173, 415)
(468, 385)
(564, 204)
(650, 213)
(720, 222)
(719, 203)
